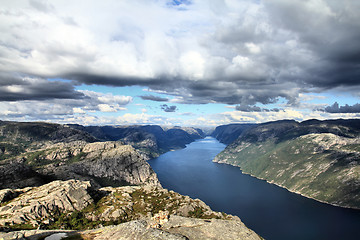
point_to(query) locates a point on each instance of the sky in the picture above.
(172, 62)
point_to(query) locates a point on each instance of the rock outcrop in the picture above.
(38, 205)
(102, 163)
(177, 228)
(149, 212)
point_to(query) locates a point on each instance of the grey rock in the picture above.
(39, 203)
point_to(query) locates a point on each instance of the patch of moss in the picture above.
(36, 159)
(77, 158)
(17, 227)
(11, 149)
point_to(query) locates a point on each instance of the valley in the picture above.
(79, 178)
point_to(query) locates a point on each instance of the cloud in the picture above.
(15, 88)
(154, 98)
(247, 108)
(167, 108)
(335, 108)
(234, 52)
(91, 103)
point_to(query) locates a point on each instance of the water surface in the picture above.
(271, 211)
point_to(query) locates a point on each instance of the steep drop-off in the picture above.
(318, 159)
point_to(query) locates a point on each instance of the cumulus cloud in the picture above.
(335, 108)
(167, 108)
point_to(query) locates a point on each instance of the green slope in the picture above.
(323, 166)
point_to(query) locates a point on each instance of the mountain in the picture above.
(33, 154)
(228, 133)
(318, 159)
(151, 140)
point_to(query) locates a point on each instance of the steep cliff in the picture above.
(102, 163)
(318, 159)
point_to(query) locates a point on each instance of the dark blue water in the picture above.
(271, 211)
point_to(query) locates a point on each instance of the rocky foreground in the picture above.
(139, 212)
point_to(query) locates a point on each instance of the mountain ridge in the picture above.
(317, 159)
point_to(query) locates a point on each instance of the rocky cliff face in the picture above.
(318, 159)
(102, 163)
(32, 154)
(74, 204)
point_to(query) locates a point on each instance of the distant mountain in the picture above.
(34, 153)
(152, 140)
(35, 132)
(318, 159)
(229, 133)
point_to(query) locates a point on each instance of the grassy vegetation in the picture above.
(37, 159)
(10, 150)
(18, 227)
(77, 158)
(75, 221)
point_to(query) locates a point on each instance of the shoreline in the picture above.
(279, 185)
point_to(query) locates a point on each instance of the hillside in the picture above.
(318, 159)
(32, 154)
(35, 153)
(228, 133)
(151, 140)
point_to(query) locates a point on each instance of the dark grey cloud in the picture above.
(154, 98)
(329, 42)
(243, 108)
(335, 108)
(16, 88)
(247, 108)
(167, 108)
(115, 80)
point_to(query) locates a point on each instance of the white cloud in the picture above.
(233, 52)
